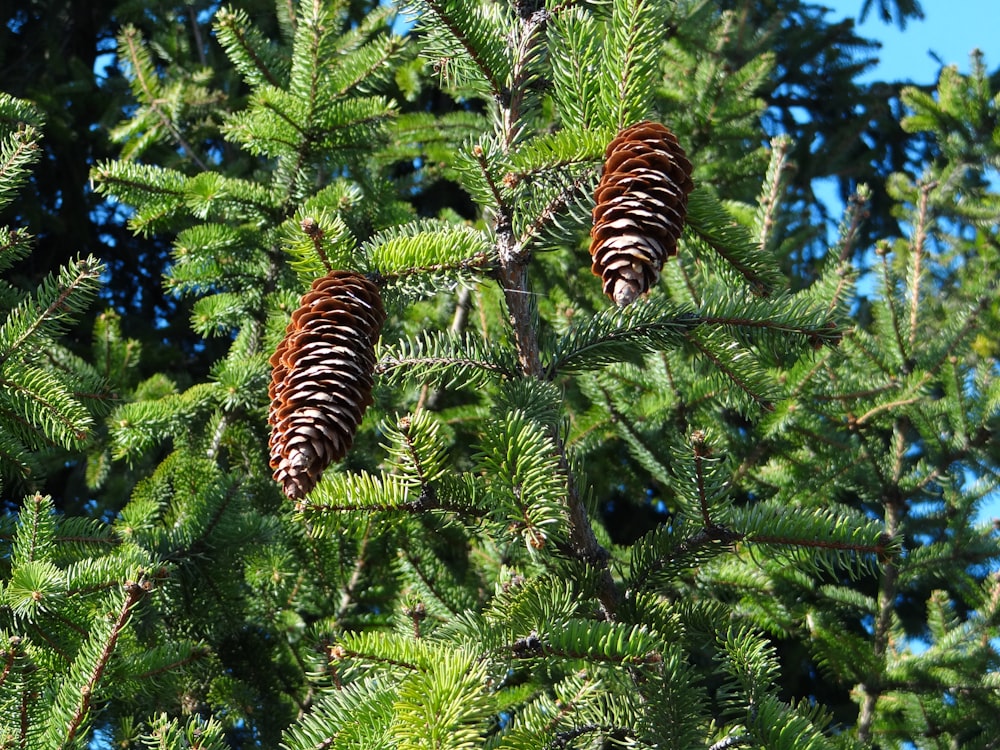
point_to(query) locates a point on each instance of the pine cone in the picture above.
(641, 202)
(321, 381)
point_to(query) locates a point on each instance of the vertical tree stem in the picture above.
(895, 509)
(513, 278)
(918, 250)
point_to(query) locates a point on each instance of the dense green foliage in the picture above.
(743, 511)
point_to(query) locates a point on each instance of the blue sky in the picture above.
(951, 29)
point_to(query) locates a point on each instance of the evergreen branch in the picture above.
(455, 17)
(437, 140)
(312, 39)
(76, 627)
(770, 201)
(429, 579)
(917, 251)
(245, 46)
(608, 642)
(879, 550)
(14, 454)
(575, 43)
(318, 572)
(700, 454)
(631, 58)
(147, 89)
(971, 319)
(156, 193)
(500, 203)
(14, 113)
(709, 220)
(421, 504)
(445, 705)
(857, 212)
(133, 593)
(427, 247)
(850, 540)
(15, 244)
(139, 424)
(388, 363)
(547, 219)
(636, 445)
(622, 333)
(351, 124)
(367, 65)
(354, 715)
(827, 438)
(417, 449)
(43, 635)
(18, 151)
(476, 264)
(429, 398)
(347, 595)
(441, 357)
(340, 653)
(726, 368)
(519, 456)
(45, 408)
(69, 291)
(847, 396)
(690, 551)
(766, 324)
(71, 592)
(886, 406)
(570, 148)
(891, 302)
(272, 101)
(317, 244)
(199, 541)
(524, 50)
(195, 654)
(774, 724)
(386, 493)
(37, 532)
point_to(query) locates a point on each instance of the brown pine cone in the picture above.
(321, 378)
(641, 202)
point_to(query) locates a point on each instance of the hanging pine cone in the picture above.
(641, 202)
(321, 381)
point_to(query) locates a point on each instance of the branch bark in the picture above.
(512, 274)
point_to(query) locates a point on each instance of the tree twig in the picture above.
(133, 593)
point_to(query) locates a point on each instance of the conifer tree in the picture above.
(386, 517)
(50, 400)
(472, 515)
(69, 586)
